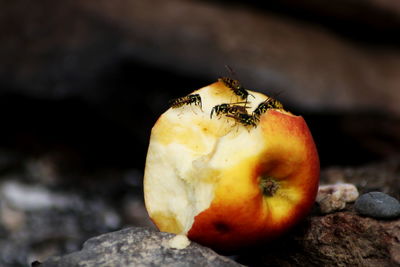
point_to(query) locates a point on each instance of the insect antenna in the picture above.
(275, 95)
(231, 71)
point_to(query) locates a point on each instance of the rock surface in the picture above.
(339, 239)
(138, 247)
(378, 205)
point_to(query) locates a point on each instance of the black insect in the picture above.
(245, 119)
(269, 103)
(228, 109)
(236, 87)
(186, 100)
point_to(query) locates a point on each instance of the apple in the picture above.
(226, 184)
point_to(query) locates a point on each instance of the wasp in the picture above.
(236, 87)
(245, 119)
(269, 103)
(186, 100)
(229, 109)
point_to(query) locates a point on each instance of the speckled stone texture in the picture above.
(378, 205)
(338, 239)
(138, 247)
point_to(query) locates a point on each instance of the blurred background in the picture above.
(82, 82)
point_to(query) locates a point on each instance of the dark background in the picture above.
(82, 83)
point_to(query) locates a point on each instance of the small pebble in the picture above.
(378, 205)
(334, 197)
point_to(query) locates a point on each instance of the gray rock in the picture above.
(138, 247)
(378, 205)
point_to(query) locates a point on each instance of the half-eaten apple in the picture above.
(229, 168)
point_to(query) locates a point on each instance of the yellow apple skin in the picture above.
(240, 214)
(225, 185)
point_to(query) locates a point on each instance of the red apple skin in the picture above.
(232, 222)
